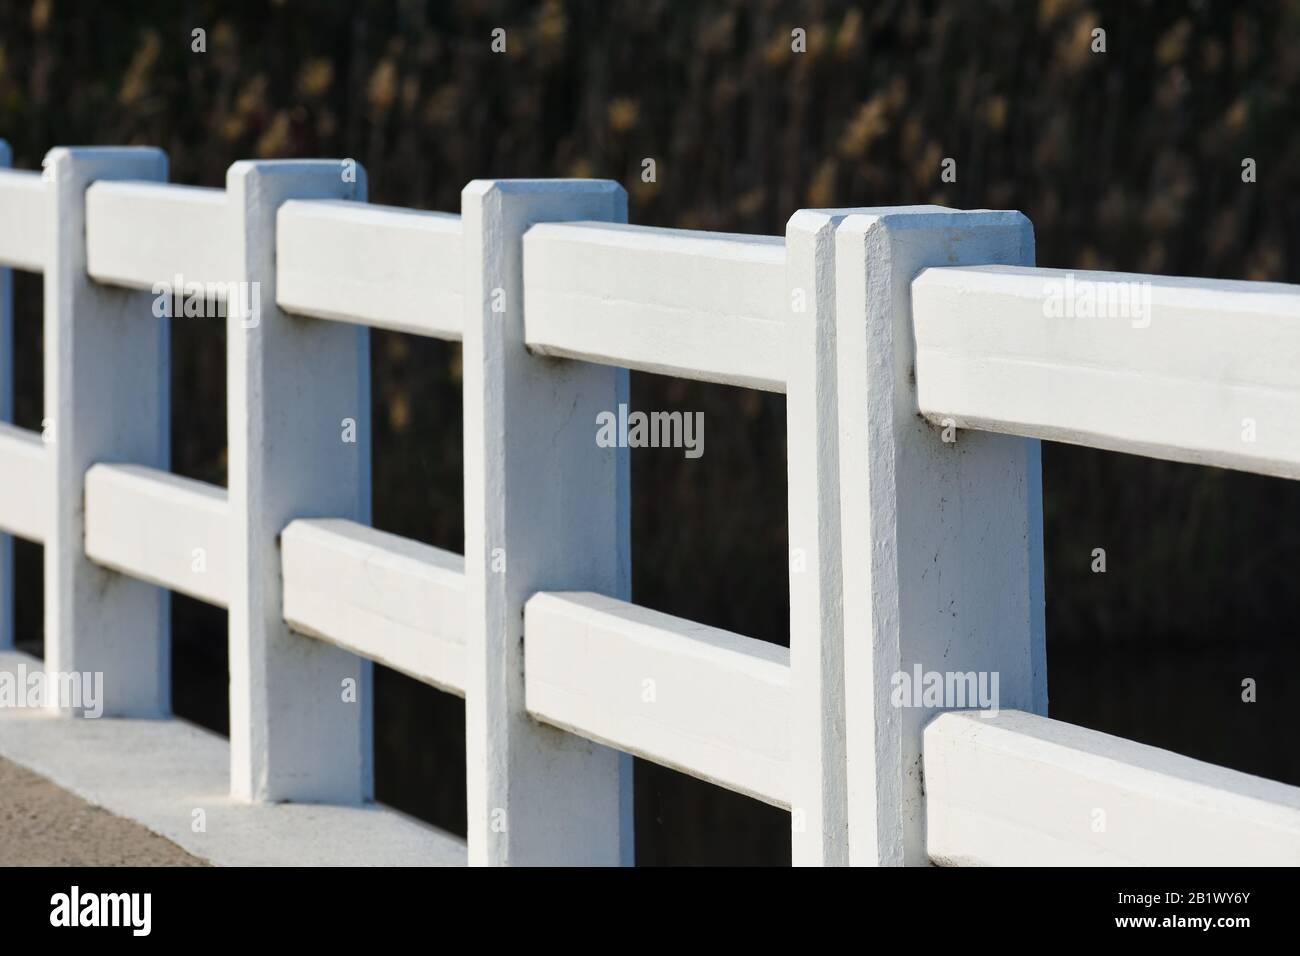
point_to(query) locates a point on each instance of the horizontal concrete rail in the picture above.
(708, 306)
(846, 318)
(1193, 370)
(142, 234)
(24, 484)
(386, 598)
(701, 700)
(379, 266)
(22, 225)
(161, 528)
(1022, 790)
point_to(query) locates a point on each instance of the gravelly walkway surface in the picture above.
(42, 825)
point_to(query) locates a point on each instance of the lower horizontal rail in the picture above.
(1021, 790)
(161, 528)
(701, 700)
(387, 598)
(24, 484)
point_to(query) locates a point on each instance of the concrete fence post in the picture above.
(818, 811)
(942, 532)
(106, 385)
(300, 709)
(545, 509)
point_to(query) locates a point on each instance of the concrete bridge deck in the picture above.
(45, 825)
(173, 778)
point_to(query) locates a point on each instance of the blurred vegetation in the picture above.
(1128, 159)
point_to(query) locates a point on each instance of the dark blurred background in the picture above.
(1127, 160)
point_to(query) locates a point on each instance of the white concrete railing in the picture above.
(884, 328)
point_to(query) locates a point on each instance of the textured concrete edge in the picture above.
(45, 825)
(159, 773)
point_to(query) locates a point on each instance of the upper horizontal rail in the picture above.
(701, 700)
(374, 265)
(22, 226)
(140, 235)
(161, 528)
(708, 306)
(1193, 370)
(24, 484)
(1020, 790)
(386, 598)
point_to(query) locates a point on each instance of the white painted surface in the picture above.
(1212, 379)
(701, 700)
(158, 527)
(941, 542)
(545, 510)
(819, 792)
(709, 306)
(938, 545)
(138, 234)
(291, 384)
(24, 484)
(22, 227)
(106, 384)
(158, 772)
(1022, 790)
(7, 412)
(392, 600)
(380, 266)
